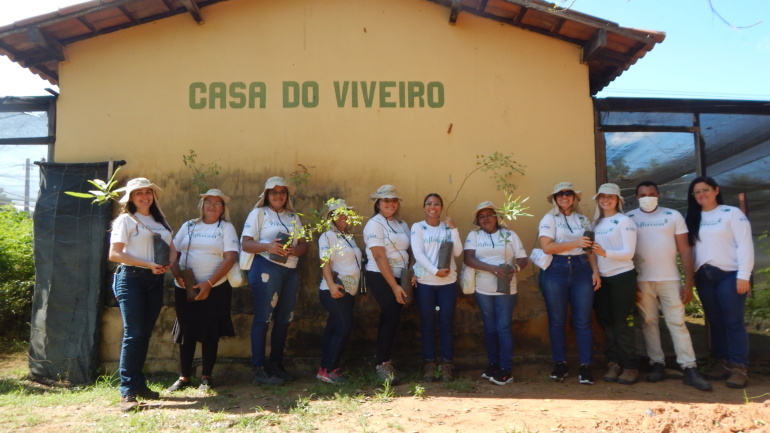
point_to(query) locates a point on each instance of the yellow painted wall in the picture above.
(125, 95)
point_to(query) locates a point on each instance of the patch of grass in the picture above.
(462, 384)
(385, 394)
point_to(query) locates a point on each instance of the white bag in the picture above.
(244, 258)
(468, 280)
(235, 275)
(540, 258)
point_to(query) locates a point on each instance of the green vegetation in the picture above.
(201, 172)
(17, 273)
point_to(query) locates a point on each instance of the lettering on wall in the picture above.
(219, 95)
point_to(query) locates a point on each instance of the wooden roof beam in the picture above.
(49, 45)
(128, 14)
(597, 43)
(454, 11)
(193, 9)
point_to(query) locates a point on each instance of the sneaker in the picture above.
(206, 384)
(586, 376)
(385, 372)
(336, 377)
(629, 376)
(693, 379)
(128, 403)
(429, 371)
(657, 373)
(447, 371)
(738, 378)
(502, 377)
(560, 371)
(276, 369)
(262, 377)
(179, 385)
(148, 394)
(719, 371)
(490, 372)
(613, 372)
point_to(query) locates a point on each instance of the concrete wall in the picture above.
(151, 93)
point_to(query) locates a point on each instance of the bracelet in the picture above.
(209, 283)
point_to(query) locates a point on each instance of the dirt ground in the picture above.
(533, 403)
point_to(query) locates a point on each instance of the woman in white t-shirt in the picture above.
(138, 282)
(615, 301)
(208, 245)
(436, 292)
(273, 274)
(339, 284)
(569, 280)
(723, 250)
(497, 255)
(388, 254)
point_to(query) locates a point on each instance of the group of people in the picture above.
(587, 265)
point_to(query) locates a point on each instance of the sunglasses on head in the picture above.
(567, 193)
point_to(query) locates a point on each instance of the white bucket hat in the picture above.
(272, 183)
(385, 191)
(138, 183)
(339, 204)
(610, 189)
(561, 186)
(216, 193)
(487, 205)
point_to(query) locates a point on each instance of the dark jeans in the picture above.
(497, 315)
(614, 304)
(724, 312)
(390, 314)
(567, 282)
(436, 302)
(268, 280)
(140, 298)
(338, 328)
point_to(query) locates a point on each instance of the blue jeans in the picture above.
(140, 298)
(338, 328)
(724, 307)
(567, 281)
(268, 279)
(433, 301)
(496, 313)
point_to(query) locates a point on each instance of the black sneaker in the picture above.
(277, 370)
(490, 372)
(262, 377)
(502, 377)
(586, 376)
(148, 394)
(657, 373)
(560, 371)
(179, 385)
(206, 385)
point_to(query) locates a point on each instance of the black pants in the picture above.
(614, 304)
(390, 314)
(208, 355)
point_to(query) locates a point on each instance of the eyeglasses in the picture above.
(278, 192)
(213, 203)
(483, 216)
(567, 193)
(702, 191)
(389, 200)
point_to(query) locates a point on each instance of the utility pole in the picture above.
(26, 186)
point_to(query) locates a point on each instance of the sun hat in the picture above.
(562, 186)
(610, 189)
(385, 191)
(216, 193)
(487, 205)
(138, 183)
(338, 204)
(272, 183)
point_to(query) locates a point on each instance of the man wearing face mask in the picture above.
(661, 234)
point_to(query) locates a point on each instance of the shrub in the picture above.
(17, 273)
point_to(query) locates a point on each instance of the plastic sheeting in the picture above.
(71, 240)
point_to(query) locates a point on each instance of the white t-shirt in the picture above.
(394, 236)
(345, 259)
(272, 224)
(426, 241)
(725, 241)
(494, 249)
(137, 240)
(562, 228)
(656, 250)
(200, 247)
(617, 235)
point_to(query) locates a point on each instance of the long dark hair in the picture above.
(693, 216)
(157, 215)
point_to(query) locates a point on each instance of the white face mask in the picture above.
(648, 204)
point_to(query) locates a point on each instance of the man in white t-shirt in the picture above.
(661, 233)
